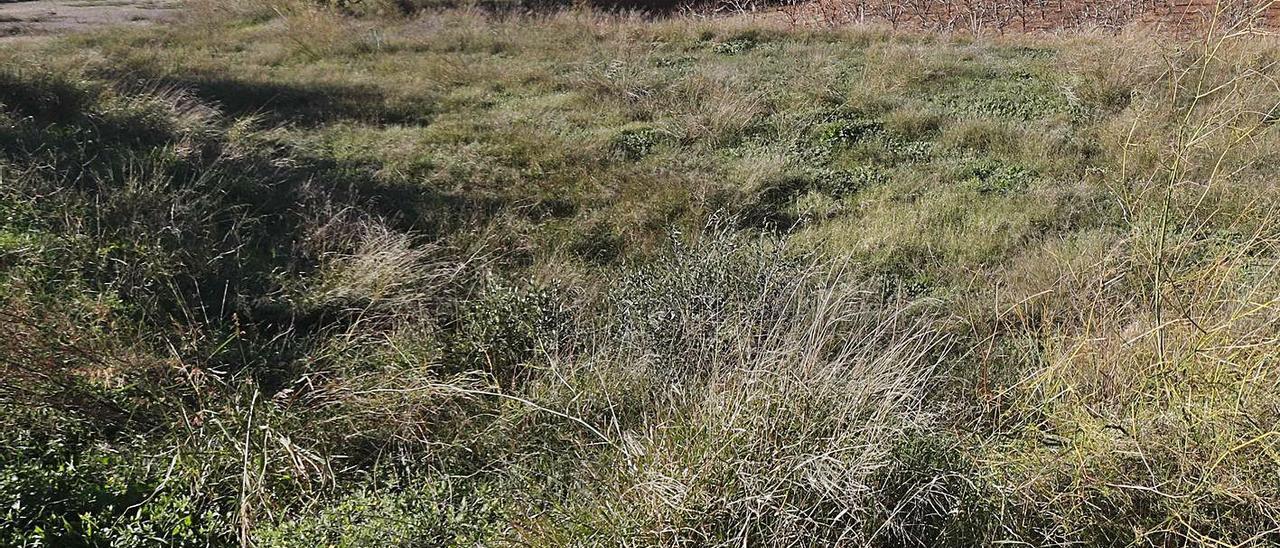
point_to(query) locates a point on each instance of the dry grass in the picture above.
(576, 279)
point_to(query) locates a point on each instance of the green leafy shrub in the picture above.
(1017, 95)
(636, 141)
(737, 43)
(734, 46)
(504, 327)
(840, 183)
(833, 131)
(992, 176)
(427, 512)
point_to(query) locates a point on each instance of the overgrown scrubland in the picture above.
(281, 277)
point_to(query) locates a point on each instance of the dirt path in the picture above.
(33, 18)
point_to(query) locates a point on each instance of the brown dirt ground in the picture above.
(36, 18)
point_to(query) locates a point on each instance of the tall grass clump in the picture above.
(1144, 417)
(750, 396)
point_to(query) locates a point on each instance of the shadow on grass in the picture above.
(308, 104)
(202, 238)
(254, 265)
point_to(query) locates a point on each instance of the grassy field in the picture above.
(279, 276)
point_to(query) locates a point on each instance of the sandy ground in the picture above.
(36, 18)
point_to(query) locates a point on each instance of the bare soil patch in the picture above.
(53, 17)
